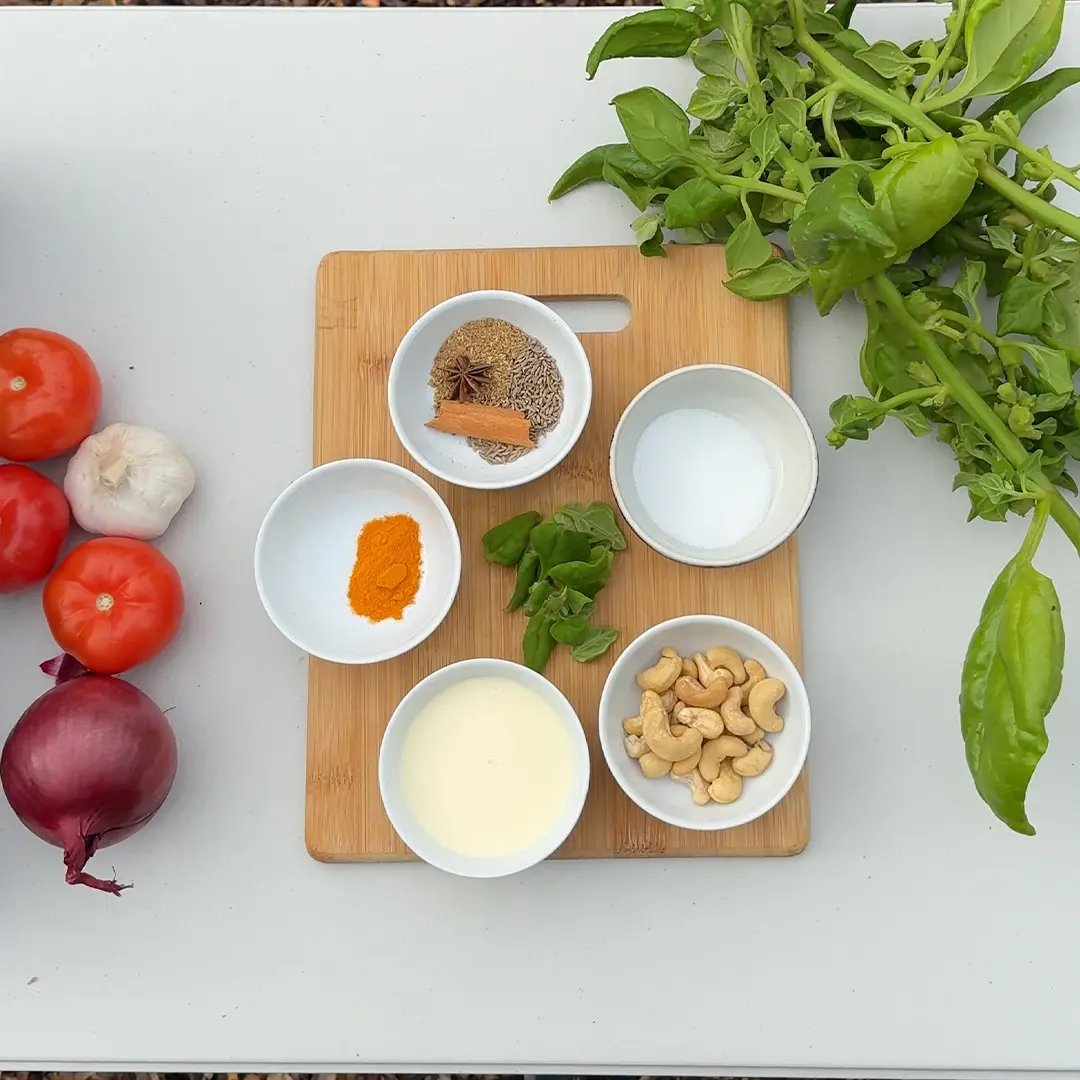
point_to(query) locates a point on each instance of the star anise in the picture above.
(467, 377)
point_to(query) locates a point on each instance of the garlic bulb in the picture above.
(128, 481)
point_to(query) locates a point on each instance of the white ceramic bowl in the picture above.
(664, 798)
(306, 550)
(397, 809)
(449, 456)
(757, 403)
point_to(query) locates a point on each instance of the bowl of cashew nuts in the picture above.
(704, 722)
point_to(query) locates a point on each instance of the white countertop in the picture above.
(169, 180)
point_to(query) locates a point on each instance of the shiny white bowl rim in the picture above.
(657, 544)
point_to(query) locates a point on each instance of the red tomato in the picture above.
(114, 603)
(50, 395)
(34, 519)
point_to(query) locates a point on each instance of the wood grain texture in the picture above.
(680, 314)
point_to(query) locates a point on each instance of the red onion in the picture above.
(88, 764)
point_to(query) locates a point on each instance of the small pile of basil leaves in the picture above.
(562, 562)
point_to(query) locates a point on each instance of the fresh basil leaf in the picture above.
(573, 630)
(713, 97)
(639, 192)
(596, 520)
(537, 645)
(1011, 679)
(714, 57)
(970, 281)
(538, 597)
(786, 71)
(746, 248)
(722, 144)
(765, 141)
(527, 572)
(505, 544)
(596, 643)
(770, 281)
(1002, 238)
(648, 234)
(887, 59)
(842, 11)
(586, 577)
(790, 116)
(554, 543)
(588, 169)
(697, 201)
(655, 32)
(1052, 367)
(1020, 310)
(655, 126)
(913, 418)
(1005, 41)
(823, 24)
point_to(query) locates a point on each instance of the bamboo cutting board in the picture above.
(680, 314)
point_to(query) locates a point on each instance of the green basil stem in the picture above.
(1044, 161)
(942, 58)
(741, 183)
(1049, 215)
(1034, 535)
(965, 395)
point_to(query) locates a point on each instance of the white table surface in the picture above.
(168, 183)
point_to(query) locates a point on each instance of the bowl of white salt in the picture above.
(713, 465)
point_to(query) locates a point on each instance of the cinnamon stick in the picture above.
(488, 422)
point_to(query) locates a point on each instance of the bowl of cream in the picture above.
(713, 465)
(484, 768)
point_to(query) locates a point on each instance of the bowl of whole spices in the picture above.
(489, 390)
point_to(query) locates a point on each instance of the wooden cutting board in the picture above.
(680, 314)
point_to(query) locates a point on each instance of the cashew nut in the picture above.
(707, 674)
(663, 742)
(678, 729)
(727, 786)
(635, 746)
(715, 751)
(763, 698)
(681, 768)
(755, 673)
(690, 691)
(698, 788)
(668, 699)
(688, 666)
(735, 720)
(754, 737)
(669, 652)
(728, 658)
(756, 760)
(632, 725)
(661, 675)
(707, 721)
(654, 767)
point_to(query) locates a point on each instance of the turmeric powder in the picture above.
(386, 576)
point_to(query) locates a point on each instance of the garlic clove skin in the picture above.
(127, 480)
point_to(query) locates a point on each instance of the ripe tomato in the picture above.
(50, 395)
(114, 603)
(34, 519)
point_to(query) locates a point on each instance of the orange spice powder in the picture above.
(386, 576)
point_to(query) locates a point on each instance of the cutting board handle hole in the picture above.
(591, 314)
